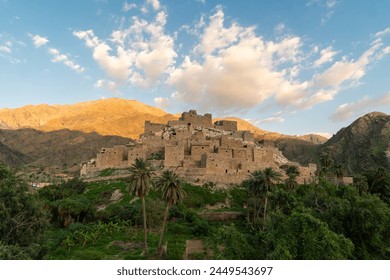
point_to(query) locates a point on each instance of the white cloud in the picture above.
(39, 41)
(233, 69)
(10, 49)
(58, 57)
(162, 102)
(329, 7)
(5, 49)
(128, 6)
(271, 120)
(383, 32)
(140, 54)
(230, 68)
(326, 56)
(348, 70)
(118, 67)
(154, 3)
(108, 85)
(279, 28)
(366, 104)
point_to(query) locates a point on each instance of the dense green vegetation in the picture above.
(272, 219)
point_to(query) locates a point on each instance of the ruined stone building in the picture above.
(199, 150)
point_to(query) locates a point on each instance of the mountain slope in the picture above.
(113, 116)
(273, 136)
(362, 145)
(57, 148)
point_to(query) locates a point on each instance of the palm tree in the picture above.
(138, 183)
(360, 182)
(378, 179)
(339, 172)
(170, 183)
(292, 171)
(326, 162)
(270, 176)
(253, 186)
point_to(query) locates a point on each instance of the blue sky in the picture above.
(296, 67)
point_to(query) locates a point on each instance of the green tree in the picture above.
(22, 219)
(379, 182)
(300, 236)
(171, 185)
(270, 177)
(326, 163)
(235, 243)
(139, 182)
(292, 171)
(364, 219)
(253, 185)
(360, 183)
(338, 172)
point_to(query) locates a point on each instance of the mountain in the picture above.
(9, 156)
(363, 145)
(113, 116)
(61, 148)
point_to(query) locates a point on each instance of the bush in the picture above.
(235, 244)
(118, 212)
(301, 236)
(22, 219)
(200, 228)
(74, 209)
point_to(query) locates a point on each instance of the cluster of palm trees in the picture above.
(329, 168)
(141, 178)
(259, 185)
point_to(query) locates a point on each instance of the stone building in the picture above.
(199, 150)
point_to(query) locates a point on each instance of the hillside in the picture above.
(106, 117)
(365, 144)
(57, 148)
(113, 116)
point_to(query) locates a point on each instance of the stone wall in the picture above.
(151, 128)
(192, 119)
(136, 152)
(226, 125)
(174, 156)
(108, 157)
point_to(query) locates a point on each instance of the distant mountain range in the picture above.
(113, 116)
(66, 135)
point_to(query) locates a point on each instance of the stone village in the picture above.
(198, 150)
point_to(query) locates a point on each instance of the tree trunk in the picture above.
(145, 229)
(255, 210)
(265, 209)
(162, 231)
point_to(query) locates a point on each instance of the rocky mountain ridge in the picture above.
(363, 145)
(112, 116)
